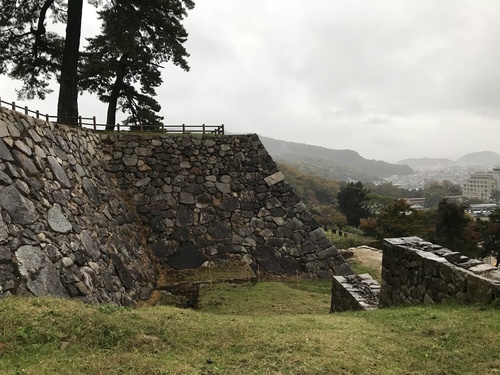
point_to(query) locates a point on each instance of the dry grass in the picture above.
(231, 271)
(366, 260)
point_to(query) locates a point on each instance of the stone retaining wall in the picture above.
(415, 272)
(219, 198)
(88, 215)
(65, 229)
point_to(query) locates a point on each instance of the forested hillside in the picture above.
(382, 212)
(332, 164)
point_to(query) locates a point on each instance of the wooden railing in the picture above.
(91, 123)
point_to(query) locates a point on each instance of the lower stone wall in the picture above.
(354, 292)
(416, 272)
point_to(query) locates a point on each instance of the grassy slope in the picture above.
(265, 328)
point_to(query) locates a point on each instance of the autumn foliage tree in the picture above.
(396, 219)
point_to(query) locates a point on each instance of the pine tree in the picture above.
(34, 55)
(135, 39)
(353, 202)
(138, 35)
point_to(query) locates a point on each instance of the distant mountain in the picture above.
(483, 158)
(424, 163)
(486, 158)
(329, 163)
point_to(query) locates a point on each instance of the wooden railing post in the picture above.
(203, 126)
(13, 106)
(25, 109)
(183, 128)
(37, 113)
(222, 128)
(80, 121)
(95, 126)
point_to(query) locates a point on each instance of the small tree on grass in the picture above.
(353, 202)
(455, 230)
(327, 216)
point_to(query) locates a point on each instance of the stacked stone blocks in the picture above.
(94, 216)
(354, 292)
(59, 233)
(220, 198)
(415, 272)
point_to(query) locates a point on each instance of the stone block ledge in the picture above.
(354, 292)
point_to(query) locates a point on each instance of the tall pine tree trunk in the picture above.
(112, 105)
(116, 91)
(67, 105)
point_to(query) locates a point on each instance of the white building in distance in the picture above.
(481, 184)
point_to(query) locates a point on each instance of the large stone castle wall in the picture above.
(94, 215)
(65, 229)
(219, 198)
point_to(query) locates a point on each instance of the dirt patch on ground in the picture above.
(366, 256)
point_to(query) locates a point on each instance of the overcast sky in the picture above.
(390, 79)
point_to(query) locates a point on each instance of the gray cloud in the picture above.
(391, 80)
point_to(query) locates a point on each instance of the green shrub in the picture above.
(353, 230)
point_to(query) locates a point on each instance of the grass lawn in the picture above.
(262, 328)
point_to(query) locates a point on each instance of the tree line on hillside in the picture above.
(334, 167)
(447, 224)
(381, 212)
(320, 193)
(121, 64)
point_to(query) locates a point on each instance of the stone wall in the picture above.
(95, 216)
(219, 198)
(354, 292)
(415, 272)
(65, 229)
